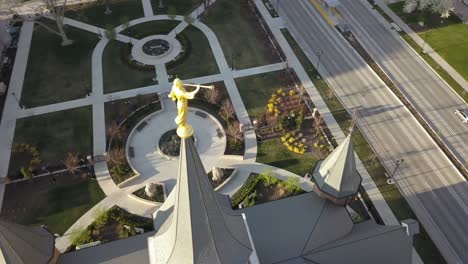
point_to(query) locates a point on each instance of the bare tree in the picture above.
(57, 11)
(233, 130)
(212, 95)
(114, 131)
(116, 156)
(71, 162)
(226, 110)
(317, 124)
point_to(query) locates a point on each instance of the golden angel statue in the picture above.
(179, 94)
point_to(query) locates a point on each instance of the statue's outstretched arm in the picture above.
(192, 94)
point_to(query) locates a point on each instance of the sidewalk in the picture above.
(427, 48)
(374, 194)
(10, 110)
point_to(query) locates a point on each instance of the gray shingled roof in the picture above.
(197, 228)
(132, 250)
(23, 244)
(337, 174)
(307, 229)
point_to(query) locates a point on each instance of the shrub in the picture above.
(245, 190)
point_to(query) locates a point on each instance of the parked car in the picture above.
(462, 114)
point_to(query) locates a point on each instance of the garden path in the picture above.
(10, 110)
(147, 8)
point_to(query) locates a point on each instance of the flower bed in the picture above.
(119, 168)
(110, 225)
(264, 187)
(226, 173)
(293, 143)
(159, 197)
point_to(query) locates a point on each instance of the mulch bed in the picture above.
(226, 174)
(159, 197)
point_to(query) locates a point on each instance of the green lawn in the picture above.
(183, 7)
(200, 61)
(423, 243)
(257, 89)
(57, 133)
(239, 34)
(93, 13)
(118, 75)
(273, 152)
(54, 73)
(65, 205)
(151, 28)
(451, 43)
(447, 37)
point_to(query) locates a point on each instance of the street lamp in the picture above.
(398, 163)
(319, 55)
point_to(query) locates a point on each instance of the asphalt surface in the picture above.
(436, 191)
(431, 96)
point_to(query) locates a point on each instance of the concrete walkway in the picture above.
(427, 48)
(147, 8)
(374, 194)
(10, 110)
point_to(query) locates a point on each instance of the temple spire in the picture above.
(336, 177)
(199, 230)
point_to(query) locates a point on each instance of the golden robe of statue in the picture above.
(179, 94)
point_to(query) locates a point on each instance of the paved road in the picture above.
(433, 187)
(432, 97)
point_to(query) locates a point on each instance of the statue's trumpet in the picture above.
(211, 87)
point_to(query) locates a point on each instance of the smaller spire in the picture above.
(336, 177)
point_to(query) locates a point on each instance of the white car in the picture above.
(462, 114)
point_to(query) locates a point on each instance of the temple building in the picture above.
(198, 225)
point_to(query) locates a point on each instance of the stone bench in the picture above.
(131, 152)
(141, 126)
(198, 113)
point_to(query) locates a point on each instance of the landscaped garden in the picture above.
(58, 73)
(218, 104)
(423, 243)
(240, 34)
(121, 117)
(44, 140)
(264, 187)
(111, 225)
(57, 200)
(446, 36)
(217, 176)
(287, 139)
(153, 192)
